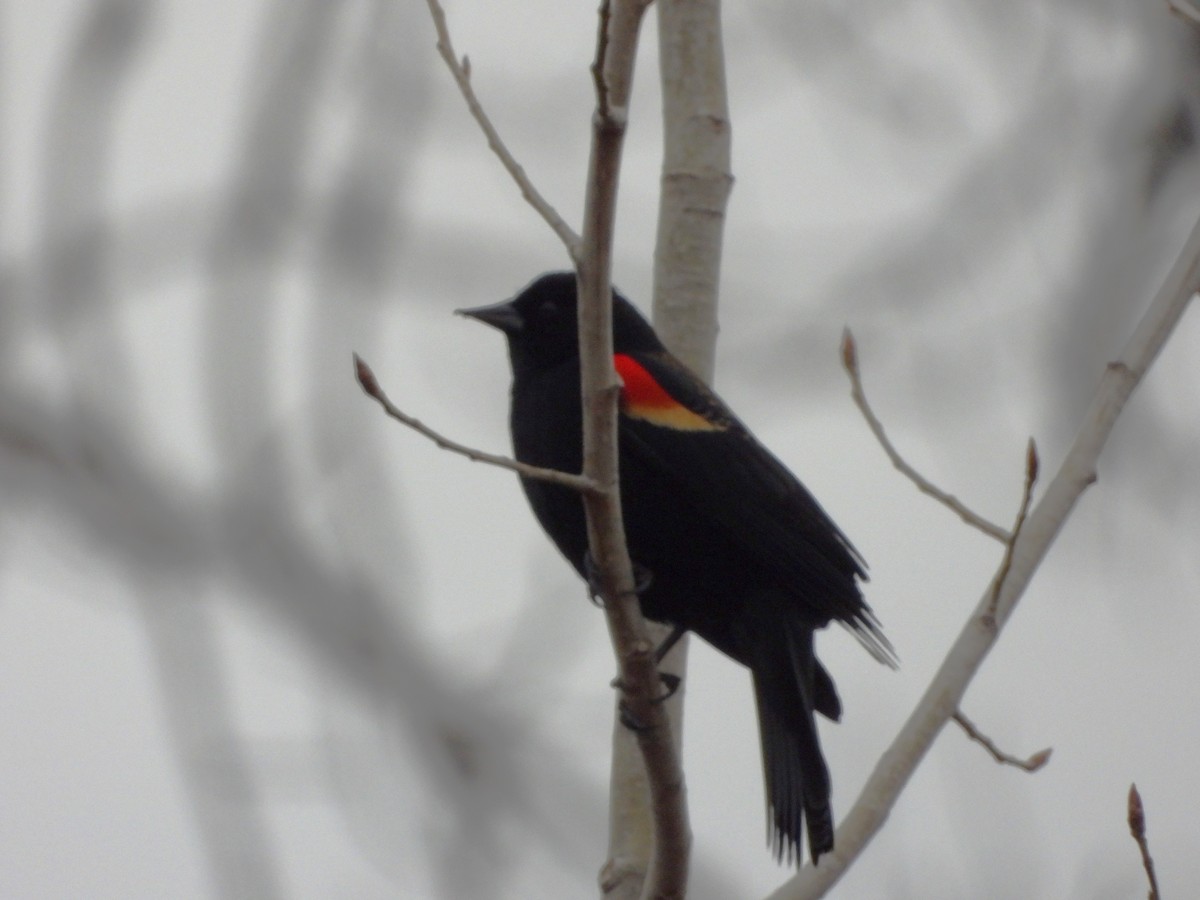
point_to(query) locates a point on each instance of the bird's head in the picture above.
(541, 324)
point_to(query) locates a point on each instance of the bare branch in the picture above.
(695, 186)
(1031, 472)
(462, 76)
(370, 385)
(1137, 827)
(972, 518)
(603, 18)
(1039, 759)
(978, 635)
(1032, 764)
(665, 873)
(612, 71)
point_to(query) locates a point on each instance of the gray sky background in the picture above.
(255, 640)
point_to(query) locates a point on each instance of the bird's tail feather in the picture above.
(797, 779)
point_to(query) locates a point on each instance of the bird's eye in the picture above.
(548, 312)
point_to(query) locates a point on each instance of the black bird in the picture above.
(737, 550)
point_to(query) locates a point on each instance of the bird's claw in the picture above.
(669, 680)
(630, 721)
(642, 578)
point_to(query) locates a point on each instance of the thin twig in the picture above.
(462, 76)
(1032, 465)
(370, 385)
(1032, 764)
(972, 518)
(1137, 827)
(603, 17)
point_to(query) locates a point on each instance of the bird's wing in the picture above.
(675, 425)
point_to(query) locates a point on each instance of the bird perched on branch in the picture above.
(736, 549)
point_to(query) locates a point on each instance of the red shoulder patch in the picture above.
(642, 397)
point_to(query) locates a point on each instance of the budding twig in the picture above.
(1137, 827)
(1031, 472)
(461, 70)
(972, 518)
(1032, 764)
(370, 385)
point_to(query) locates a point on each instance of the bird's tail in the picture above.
(788, 686)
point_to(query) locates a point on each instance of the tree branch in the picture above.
(696, 180)
(982, 629)
(1032, 764)
(695, 187)
(370, 385)
(1031, 472)
(1137, 827)
(462, 77)
(616, 47)
(972, 518)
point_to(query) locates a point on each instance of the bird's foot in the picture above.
(629, 720)
(669, 680)
(642, 578)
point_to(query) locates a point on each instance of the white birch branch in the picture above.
(696, 179)
(979, 634)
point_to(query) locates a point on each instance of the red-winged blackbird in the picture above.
(736, 549)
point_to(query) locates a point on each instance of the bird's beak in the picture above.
(499, 315)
